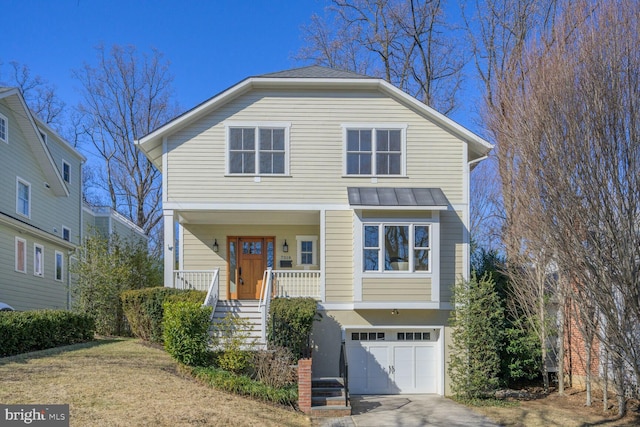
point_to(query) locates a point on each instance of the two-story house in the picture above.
(40, 208)
(343, 188)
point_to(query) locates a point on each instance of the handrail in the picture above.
(265, 301)
(344, 371)
(211, 299)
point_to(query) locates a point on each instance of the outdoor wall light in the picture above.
(395, 312)
(216, 248)
(285, 247)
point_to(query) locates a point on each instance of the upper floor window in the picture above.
(66, 172)
(396, 247)
(66, 234)
(258, 149)
(23, 197)
(374, 151)
(4, 129)
(59, 267)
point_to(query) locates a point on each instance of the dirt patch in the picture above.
(125, 383)
(536, 408)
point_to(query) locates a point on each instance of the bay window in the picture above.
(390, 247)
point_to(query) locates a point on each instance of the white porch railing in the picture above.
(211, 299)
(297, 283)
(265, 301)
(193, 279)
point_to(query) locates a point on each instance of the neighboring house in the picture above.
(106, 221)
(350, 190)
(40, 208)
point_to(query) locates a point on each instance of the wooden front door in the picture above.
(251, 266)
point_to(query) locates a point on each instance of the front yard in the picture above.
(123, 382)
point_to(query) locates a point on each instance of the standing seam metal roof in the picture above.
(396, 196)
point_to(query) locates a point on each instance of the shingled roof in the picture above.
(315, 72)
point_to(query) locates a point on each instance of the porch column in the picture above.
(169, 250)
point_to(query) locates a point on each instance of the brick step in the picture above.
(330, 411)
(327, 382)
(327, 400)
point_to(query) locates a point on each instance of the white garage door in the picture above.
(381, 363)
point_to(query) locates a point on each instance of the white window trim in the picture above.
(411, 224)
(314, 250)
(35, 265)
(373, 127)
(65, 163)
(55, 265)
(257, 125)
(6, 128)
(62, 234)
(24, 254)
(28, 184)
(359, 274)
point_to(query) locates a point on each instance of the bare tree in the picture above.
(126, 95)
(567, 119)
(407, 43)
(41, 96)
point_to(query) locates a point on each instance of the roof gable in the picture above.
(313, 77)
(28, 126)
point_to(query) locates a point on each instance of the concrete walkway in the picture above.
(407, 410)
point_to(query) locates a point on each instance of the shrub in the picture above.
(25, 331)
(144, 309)
(245, 386)
(106, 267)
(274, 367)
(232, 337)
(186, 332)
(290, 323)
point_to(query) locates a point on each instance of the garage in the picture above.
(398, 361)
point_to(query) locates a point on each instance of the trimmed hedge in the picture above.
(24, 331)
(245, 386)
(186, 332)
(290, 323)
(143, 309)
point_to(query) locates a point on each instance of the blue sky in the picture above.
(211, 45)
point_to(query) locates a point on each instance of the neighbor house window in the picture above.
(4, 129)
(307, 250)
(38, 264)
(59, 266)
(396, 247)
(374, 151)
(23, 197)
(66, 172)
(21, 255)
(258, 150)
(66, 234)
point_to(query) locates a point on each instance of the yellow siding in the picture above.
(451, 244)
(434, 157)
(396, 289)
(339, 266)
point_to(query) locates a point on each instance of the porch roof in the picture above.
(432, 198)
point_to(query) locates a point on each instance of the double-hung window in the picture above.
(375, 151)
(4, 129)
(307, 249)
(392, 247)
(258, 149)
(23, 198)
(66, 172)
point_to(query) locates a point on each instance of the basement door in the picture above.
(393, 362)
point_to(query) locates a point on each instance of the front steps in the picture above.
(246, 309)
(328, 398)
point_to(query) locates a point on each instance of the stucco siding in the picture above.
(316, 149)
(339, 256)
(406, 289)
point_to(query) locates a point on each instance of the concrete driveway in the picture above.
(407, 410)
